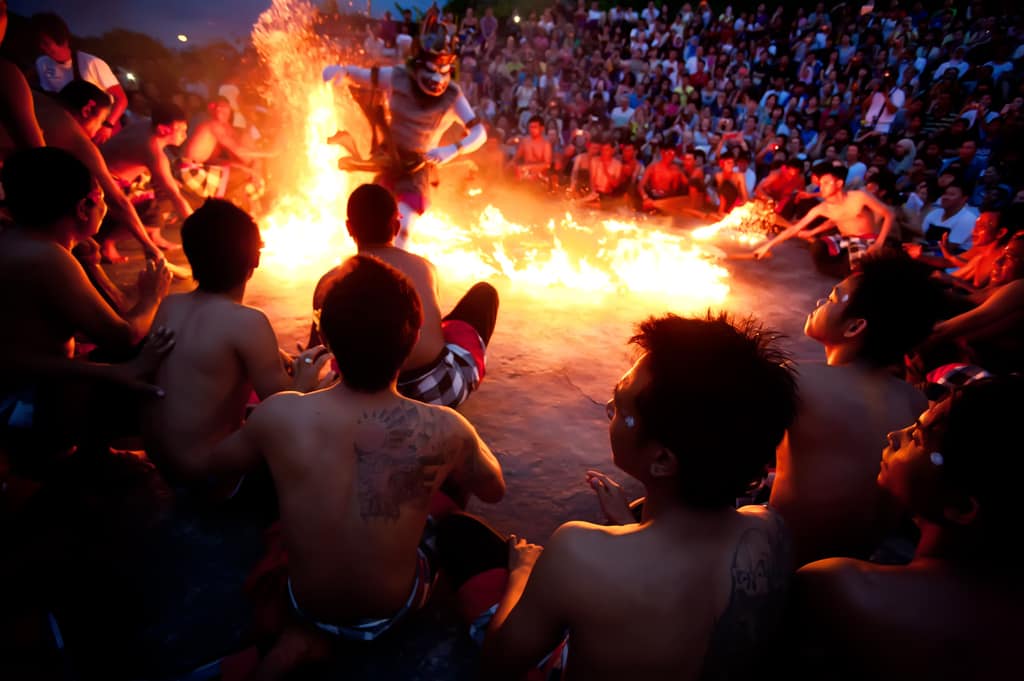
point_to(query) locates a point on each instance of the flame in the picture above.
(304, 233)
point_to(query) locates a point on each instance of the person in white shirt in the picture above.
(58, 65)
(650, 13)
(622, 114)
(857, 169)
(882, 105)
(956, 62)
(953, 214)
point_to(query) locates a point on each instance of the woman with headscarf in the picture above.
(903, 155)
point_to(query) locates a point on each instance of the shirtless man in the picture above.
(533, 157)
(663, 187)
(448, 361)
(355, 467)
(695, 588)
(824, 481)
(694, 174)
(138, 151)
(46, 299)
(973, 266)
(730, 186)
(855, 214)
(214, 162)
(17, 116)
(224, 351)
(954, 611)
(995, 328)
(68, 123)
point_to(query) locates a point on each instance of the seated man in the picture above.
(448, 361)
(854, 213)
(215, 163)
(605, 175)
(69, 122)
(973, 267)
(59, 65)
(663, 187)
(224, 351)
(355, 467)
(949, 227)
(532, 160)
(780, 187)
(994, 329)
(46, 299)
(729, 186)
(708, 582)
(824, 480)
(954, 611)
(136, 157)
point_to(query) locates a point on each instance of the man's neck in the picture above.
(370, 248)
(235, 295)
(662, 503)
(948, 214)
(845, 354)
(947, 543)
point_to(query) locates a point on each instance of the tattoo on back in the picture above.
(395, 449)
(761, 570)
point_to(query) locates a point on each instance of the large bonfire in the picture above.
(561, 254)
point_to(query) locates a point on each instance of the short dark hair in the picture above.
(222, 244)
(900, 302)
(706, 373)
(536, 119)
(77, 94)
(794, 163)
(370, 318)
(835, 170)
(44, 185)
(982, 420)
(166, 113)
(52, 26)
(371, 211)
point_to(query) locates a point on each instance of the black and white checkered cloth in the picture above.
(448, 382)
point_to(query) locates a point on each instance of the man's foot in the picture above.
(160, 242)
(110, 254)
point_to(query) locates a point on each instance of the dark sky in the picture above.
(201, 20)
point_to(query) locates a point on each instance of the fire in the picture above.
(304, 233)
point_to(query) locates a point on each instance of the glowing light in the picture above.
(516, 18)
(182, 38)
(576, 259)
(130, 76)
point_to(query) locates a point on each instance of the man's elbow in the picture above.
(491, 489)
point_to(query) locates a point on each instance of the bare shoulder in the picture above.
(577, 546)
(1010, 292)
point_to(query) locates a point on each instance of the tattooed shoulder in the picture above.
(760, 573)
(395, 450)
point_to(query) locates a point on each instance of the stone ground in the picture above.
(552, 365)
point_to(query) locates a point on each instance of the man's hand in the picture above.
(913, 250)
(154, 280)
(762, 252)
(135, 375)
(442, 155)
(306, 369)
(612, 499)
(102, 135)
(88, 252)
(522, 554)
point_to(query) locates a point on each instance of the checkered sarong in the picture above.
(447, 382)
(207, 181)
(855, 246)
(941, 382)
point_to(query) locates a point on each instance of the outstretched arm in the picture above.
(339, 74)
(474, 139)
(789, 233)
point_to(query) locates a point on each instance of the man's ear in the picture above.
(665, 463)
(396, 223)
(855, 327)
(82, 209)
(965, 513)
(164, 130)
(89, 110)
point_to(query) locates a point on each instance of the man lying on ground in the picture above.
(824, 483)
(224, 351)
(137, 159)
(856, 214)
(355, 467)
(46, 298)
(954, 611)
(448, 361)
(707, 582)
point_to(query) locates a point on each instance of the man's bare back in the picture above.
(696, 597)
(827, 464)
(223, 351)
(205, 141)
(354, 474)
(926, 620)
(422, 274)
(131, 152)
